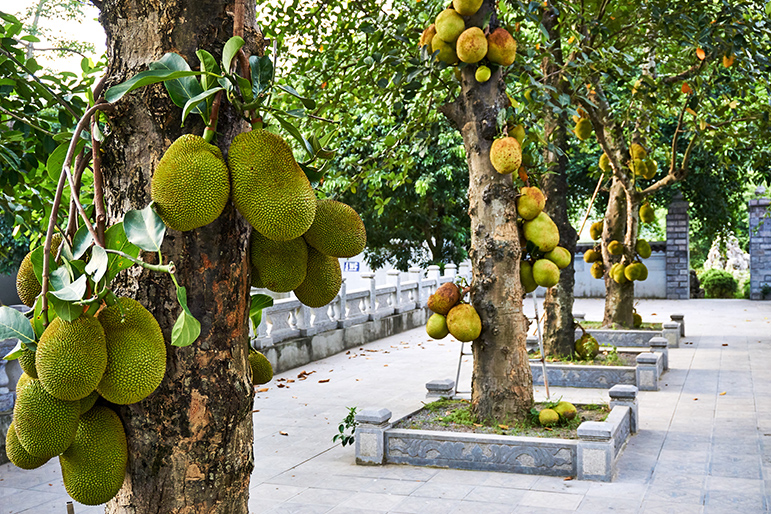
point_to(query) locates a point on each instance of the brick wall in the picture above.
(760, 247)
(678, 255)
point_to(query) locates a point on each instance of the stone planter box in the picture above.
(671, 331)
(592, 456)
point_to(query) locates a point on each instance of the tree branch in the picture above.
(690, 72)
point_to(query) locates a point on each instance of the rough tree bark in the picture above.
(559, 332)
(619, 298)
(190, 442)
(502, 385)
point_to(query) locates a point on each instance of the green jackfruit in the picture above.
(262, 371)
(587, 347)
(633, 271)
(136, 352)
(583, 129)
(427, 36)
(281, 265)
(446, 50)
(322, 282)
(546, 273)
(471, 45)
(636, 151)
(636, 320)
(464, 323)
(27, 284)
(595, 230)
(597, 270)
(270, 189)
(27, 362)
(615, 248)
(591, 256)
(23, 381)
(88, 402)
(643, 272)
(94, 467)
(548, 417)
(647, 214)
(604, 162)
(482, 74)
(526, 277)
(559, 256)
(445, 298)
(191, 184)
(436, 326)
(45, 425)
(501, 47)
(17, 454)
(71, 357)
(639, 167)
(337, 230)
(449, 25)
(651, 167)
(617, 273)
(530, 203)
(542, 232)
(566, 410)
(256, 282)
(643, 248)
(466, 7)
(506, 155)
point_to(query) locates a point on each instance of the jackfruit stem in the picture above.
(163, 268)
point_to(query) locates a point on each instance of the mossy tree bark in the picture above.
(559, 332)
(501, 387)
(190, 442)
(619, 298)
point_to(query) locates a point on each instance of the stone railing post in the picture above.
(659, 345)
(341, 308)
(440, 388)
(595, 451)
(372, 301)
(579, 317)
(416, 274)
(395, 279)
(647, 371)
(678, 255)
(671, 331)
(760, 246)
(679, 318)
(451, 270)
(433, 273)
(370, 436)
(621, 394)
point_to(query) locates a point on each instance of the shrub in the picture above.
(718, 283)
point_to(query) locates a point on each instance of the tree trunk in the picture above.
(619, 298)
(190, 442)
(502, 385)
(559, 332)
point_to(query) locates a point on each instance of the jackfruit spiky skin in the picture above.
(636, 320)
(427, 36)
(136, 352)
(281, 265)
(337, 230)
(71, 357)
(322, 281)
(546, 273)
(88, 402)
(548, 417)
(44, 425)
(615, 248)
(270, 189)
(256, 282)
(27, 285)
(446, 50)
(542, 232)
(94, 467)
(471, 46)
(530, 203)
(464, 322)
(560, 256)
(597, 270)
(23, 381)
(17, 454)
(27, 362)
(506, 155)
(595, 230)
(526, 277)
(636, 151)
(643, 248)
(617, 273)
(191, 184)
(262, 371)
(436, 326)
(591, 256)
(647, 214)
(583, 129)
(566, 410)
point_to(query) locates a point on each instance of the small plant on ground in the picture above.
(347, 428)
(718, 283)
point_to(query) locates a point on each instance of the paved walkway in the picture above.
(702, 445)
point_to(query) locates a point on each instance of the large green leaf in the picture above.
(197, 100)
(259, 302)
(97, 265)
(115, 239)
(208, 64)
(146, 78)
(180, 89)
(262, 73)
(230, 50)
(56, 159)
(186, 329)
(67, 311)
(145, 229)
(72, 292)
(14, 325)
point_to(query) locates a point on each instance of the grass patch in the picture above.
(608, 356)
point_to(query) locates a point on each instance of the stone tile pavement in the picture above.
(704, 445)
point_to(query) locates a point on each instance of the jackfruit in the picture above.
(647, 214)
(583, 129)
(604, 162)
(587, 347)
(643, 272)
(436, 326)
(651, 168)
(427, 36)
(94, 467)
(17, 454)
(566, 410)
(270, 189)
(322, 282)
(643, 248)
(464, 323)
(637, 151)
(617, 273)
(482, 74)
(466, 7)
(337, 230)
(548, 417)
(446, 51)
(518, 133)
(262, 370)
(23, 381)
(445, 298)
(27, 285)
(597, 270)
(530, 203)
(449, 25)
(88, 402)
(546, 273)
(281, 265)
(471, 45)
(591, 256)
(71, 357)
(595, 230)
(501, 47)
(506, 155)
(136, 352)
(191, 184)
(636, 320)
(45, 425)
(615, 248)
(256, 282)
(526, 277)
(559, 256)
(27, 362)
(639, 167)
(542, 232)
(633, 271)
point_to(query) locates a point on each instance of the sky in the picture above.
(86, 29)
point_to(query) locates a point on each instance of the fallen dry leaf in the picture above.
(568, 478)
(289, 380)
(256, 410)
(283, 433)
(263, 389)
(504, 427)
(323, 381)
(723, 393)
(725, 344)
(695, 399)
(385, 365)
(477, 425)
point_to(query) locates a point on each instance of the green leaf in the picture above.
(180, 89)
(97, 266)
(115, 239)
(81, 242)
(230, 50)
(307, 102)
(37, 317)
(14, 325)
(15, 353)
(259, 302)
(65, 310)
(295, 133)
(73, 292)
(144, 228)
(56, 159)
(146, 78)
(186, 329)
(59, 278)
(262, 73)
(197, 100)
(208, 64)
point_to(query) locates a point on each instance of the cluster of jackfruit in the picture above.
(119, 355)
(457, 36)
(451, 316)
(546, 258)
(297, 239)
(562, 412)
(619, 271)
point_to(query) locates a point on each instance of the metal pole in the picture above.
(540, 346)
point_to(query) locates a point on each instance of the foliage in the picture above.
(347, 429)
(718, 283)
(12, 249)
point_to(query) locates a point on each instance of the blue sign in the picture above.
(351, 266)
